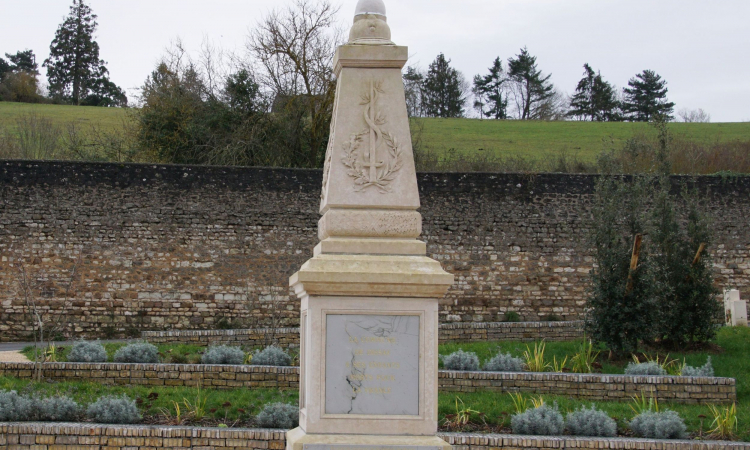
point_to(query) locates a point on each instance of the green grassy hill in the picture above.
(464, 136)
(62, 114)
(537, 139)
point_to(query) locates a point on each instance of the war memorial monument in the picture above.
(369, 296)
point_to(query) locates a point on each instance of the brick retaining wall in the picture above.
(43, 436)
(594, 386)
(181, 247)
(449, 332)
(583, 386)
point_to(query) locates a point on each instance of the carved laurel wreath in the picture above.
(352, 158)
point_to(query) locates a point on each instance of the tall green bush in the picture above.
(688, 310)
(620, 304)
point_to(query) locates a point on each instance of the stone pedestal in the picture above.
(369, 319)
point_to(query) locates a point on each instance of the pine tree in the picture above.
(595, 99)
(24, 61)
(4, 68)
(443, 90)
(75, 72)
(532, 88)
(646, 98)
(491, 92)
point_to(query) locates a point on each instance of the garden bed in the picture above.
(44, 436)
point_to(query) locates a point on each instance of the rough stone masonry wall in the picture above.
(180, 247)
(583, 386)
(449, 332)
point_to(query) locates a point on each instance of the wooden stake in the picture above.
(700, 252)
(634, 261)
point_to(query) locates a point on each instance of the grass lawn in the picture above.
(106, 118)
(539, 139)
(534, 140)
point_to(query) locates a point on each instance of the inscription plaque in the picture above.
(372, 365)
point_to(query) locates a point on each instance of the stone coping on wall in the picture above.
(583, 386)
(449, 332)
(70, 436)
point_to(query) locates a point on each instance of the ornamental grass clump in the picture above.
(114, 410)
(223, 354)
(659, 425)
(647, 368)
(15, 408)
(271, 356)
(58, 409)
(87, 352)
(504, 362)
(706, 370)
(138, 353)
(461, 360)
(543, 420)
(590, 422)
(278, 415)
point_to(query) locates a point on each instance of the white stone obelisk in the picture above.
(369, 296)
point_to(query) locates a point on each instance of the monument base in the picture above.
(297, 439)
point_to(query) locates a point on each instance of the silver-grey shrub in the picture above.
(271, 356)
(647, 368)
(706, 371)
(140, 352)
(542, 421)
(87, 352)
(223, 354)
(590, 422)
(504, 362)
(461, 360)
(659, 425)
(15, 408)
(58, 409)
(111, 409)
(278, 415)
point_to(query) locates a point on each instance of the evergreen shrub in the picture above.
(590, 422)
(542, 421)
(138, 353)
(223, 354)
(504, 362)
(87, 352)
(659, 425)
(271, 356)
(114, 410)
(461, 360)
(278, 415)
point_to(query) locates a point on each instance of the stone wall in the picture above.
(584, 386)
(120, 248)
(42, 436)
(449, 332)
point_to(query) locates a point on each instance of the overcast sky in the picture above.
(701, 47)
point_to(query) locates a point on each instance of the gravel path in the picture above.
(12, 357)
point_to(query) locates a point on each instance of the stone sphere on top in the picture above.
(376, 7)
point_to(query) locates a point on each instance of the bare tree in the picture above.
(295, 48)
(694, 115)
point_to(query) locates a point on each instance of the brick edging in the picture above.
(583, 386)
(44, 436)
